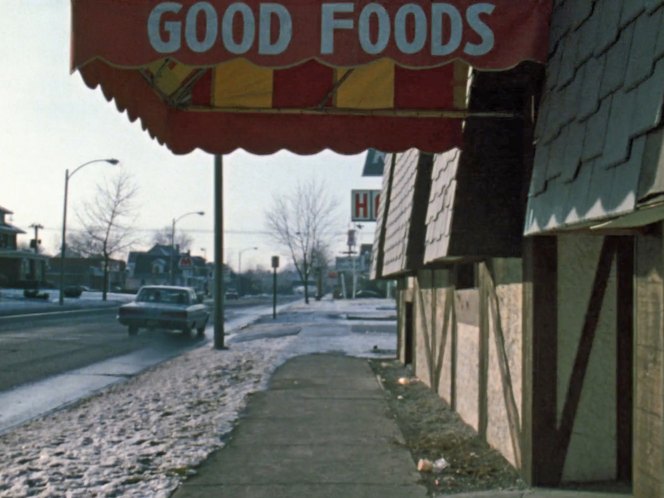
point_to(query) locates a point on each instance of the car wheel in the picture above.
(201, 331)
(133, 330)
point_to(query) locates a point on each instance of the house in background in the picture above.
(150, 267)
(153, 267)
(89, 272)
(17, 267)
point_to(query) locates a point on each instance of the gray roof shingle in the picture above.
(593, 144)
(378, 251)
(618, 131)
(642, 51)
(596, 111)
(651, 180)
(615, 67)
(630, 10)
(588, 102)
(644, 115)
(659, 46)
(441, 204)
(399, 213)
(609, 19)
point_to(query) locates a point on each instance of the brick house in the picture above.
(89, 272)
(17, 267)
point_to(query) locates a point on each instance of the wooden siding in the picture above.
(473, 363)
(648, 471)
(504, 359)
(530, 357)
(540, 334)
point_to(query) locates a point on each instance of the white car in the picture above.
(165, 307)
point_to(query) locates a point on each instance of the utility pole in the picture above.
(351, 244)
(275, 265)
(36, 241)
(219, 332)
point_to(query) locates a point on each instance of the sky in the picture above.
(52, 122)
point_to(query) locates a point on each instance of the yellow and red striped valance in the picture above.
(300, 75)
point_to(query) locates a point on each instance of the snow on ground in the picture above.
(142, 437)
(13, 302)
(139, 438)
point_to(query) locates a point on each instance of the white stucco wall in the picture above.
(422, 311)
(592, 450)
(498, 427)
(467, 378)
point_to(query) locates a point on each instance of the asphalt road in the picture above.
(49, 360)
(34, 347)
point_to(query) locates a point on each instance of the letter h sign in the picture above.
(364, 205)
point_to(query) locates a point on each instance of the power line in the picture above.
(188, 230)
(195, 230)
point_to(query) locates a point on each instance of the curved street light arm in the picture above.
(199, 213)
(68, 175)
(109, 161)
(171, 263)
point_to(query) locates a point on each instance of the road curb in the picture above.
(45, 312)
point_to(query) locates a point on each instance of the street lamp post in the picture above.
(239, 265)
(64, 221)
(175, 220)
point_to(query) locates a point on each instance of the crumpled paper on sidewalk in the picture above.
(425, 465)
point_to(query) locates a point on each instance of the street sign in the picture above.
(185, 263)
(347, 264)
(374, 163)
(351, 238)
(364, 205)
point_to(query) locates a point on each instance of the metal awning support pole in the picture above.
(218, 253)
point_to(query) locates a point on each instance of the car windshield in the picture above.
(167, 296)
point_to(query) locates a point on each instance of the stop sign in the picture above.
(185, 263)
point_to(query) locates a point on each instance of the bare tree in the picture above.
(163, 237)
(107, 223)
(303, 223)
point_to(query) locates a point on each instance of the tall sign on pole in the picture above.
(351, 242)
(364, 205)
(374, 163)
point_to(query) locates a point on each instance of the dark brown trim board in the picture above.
(540, 329)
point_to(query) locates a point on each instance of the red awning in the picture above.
(301, 75)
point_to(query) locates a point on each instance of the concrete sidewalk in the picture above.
(543, 493)
(323, 430)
